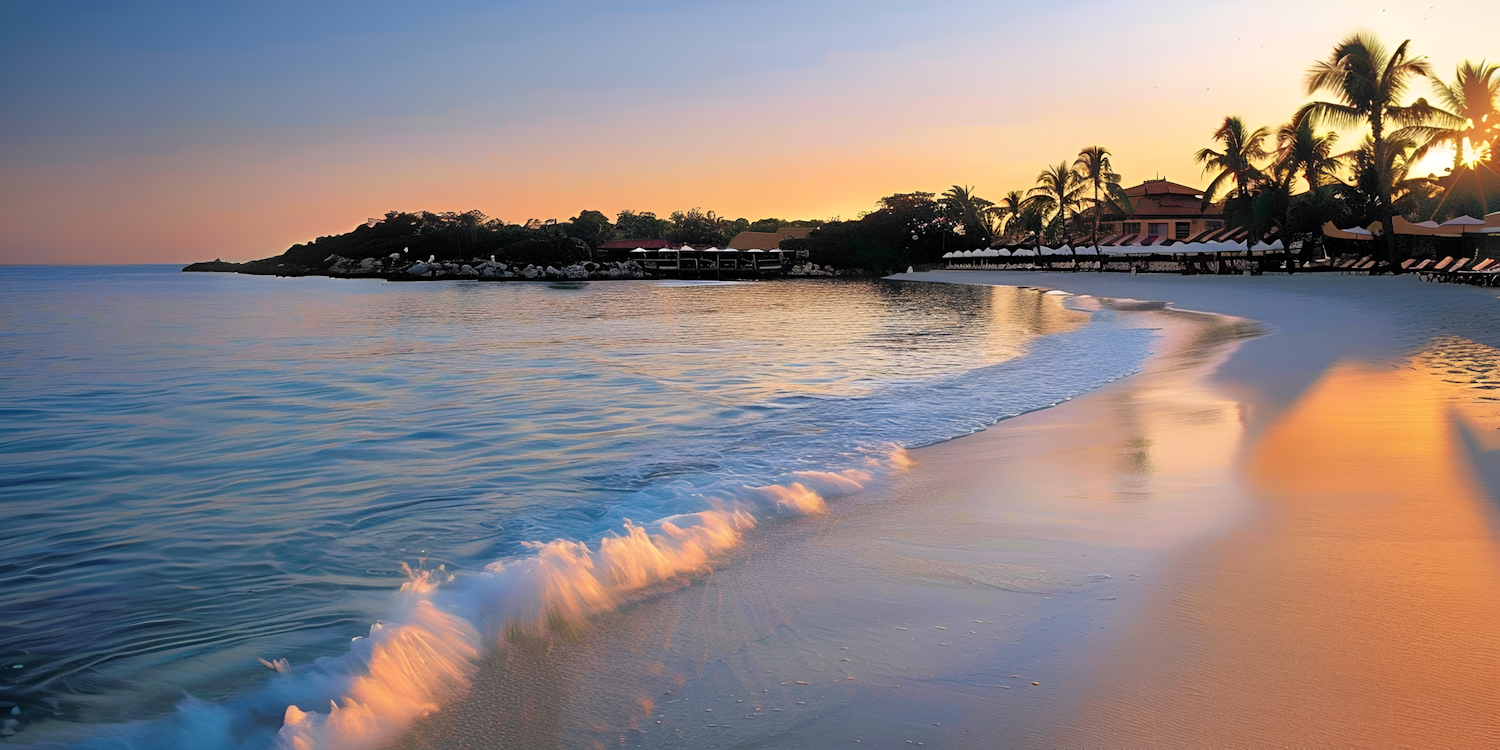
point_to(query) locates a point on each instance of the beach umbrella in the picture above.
(1358, 230)
(947, 255)
(1462, 223)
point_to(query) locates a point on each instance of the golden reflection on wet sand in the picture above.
(1358, 609)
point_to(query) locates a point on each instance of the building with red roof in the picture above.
(1161, 210)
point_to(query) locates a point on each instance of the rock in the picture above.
(467, 270)
(418, 269)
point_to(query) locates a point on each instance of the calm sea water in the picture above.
(200, 470)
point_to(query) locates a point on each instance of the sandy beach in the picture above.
(1280, 532)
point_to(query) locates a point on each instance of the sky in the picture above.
(173, 132)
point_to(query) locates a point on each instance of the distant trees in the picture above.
(630, 225)
(592, 227)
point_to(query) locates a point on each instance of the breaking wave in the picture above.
(404, 670)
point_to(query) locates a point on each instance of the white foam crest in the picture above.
(403, 671)
(566, 582)
(407, 669)
(807, 497)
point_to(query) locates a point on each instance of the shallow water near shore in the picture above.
(201, 470)
(1290, 513)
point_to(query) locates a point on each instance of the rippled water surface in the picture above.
(200, 469)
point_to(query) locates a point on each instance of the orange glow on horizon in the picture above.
(826, 138)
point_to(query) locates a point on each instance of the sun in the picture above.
(1475, 153)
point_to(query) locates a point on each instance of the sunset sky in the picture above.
(171, 132)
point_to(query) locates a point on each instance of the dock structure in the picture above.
(687, 262)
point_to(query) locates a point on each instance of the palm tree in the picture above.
(1300, 149)
(1474, 121)
(1300, 152)
(1408, 194)
(1369, 83)
(1009, 210)
(1242, 148)
(1093, 164)
(1059, 189)
(976, 214)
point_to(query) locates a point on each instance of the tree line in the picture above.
(471, 234)
(1285, 181)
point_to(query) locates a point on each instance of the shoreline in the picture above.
(1059, 579)
(883, 607)
(1352, 604)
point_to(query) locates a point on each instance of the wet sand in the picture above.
(1282, 540)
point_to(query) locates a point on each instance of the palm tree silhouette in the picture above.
(1058, 190)
(1009, 209)
(1302, 152)
(1368, 83)
(974, 213)
(1093, 164)
(1470, 100)
(1242, 148)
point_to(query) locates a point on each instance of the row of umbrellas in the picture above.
(1186, 248)
(704, 250)
(1490, 224)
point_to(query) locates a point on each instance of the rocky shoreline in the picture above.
(396, 267)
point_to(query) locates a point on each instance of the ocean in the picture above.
(366, 486)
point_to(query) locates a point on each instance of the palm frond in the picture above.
(1333, 115)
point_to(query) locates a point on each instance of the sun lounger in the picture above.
(1424, 265)
(1443, 264)
(1458, 265)
(1483, 264)
(1365, 266)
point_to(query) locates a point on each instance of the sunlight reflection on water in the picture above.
(202, 469)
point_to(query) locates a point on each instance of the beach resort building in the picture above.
(1161, 210)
